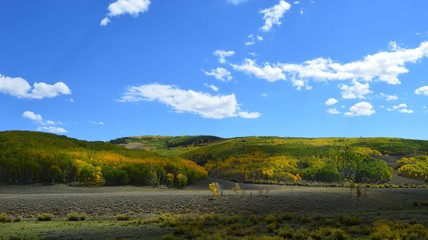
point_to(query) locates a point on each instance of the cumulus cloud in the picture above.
(389, 97)
(331, 101)
(333, 111)
(356, 90)
(382, 66)
(44, 125)
(121, 7)
(422, 91)
(222, 55)
(203, 104)
(403, 108)
(32, 116)
(361, 109)
(272, 16)
(20, 88)
(267, 72)
(220, 74)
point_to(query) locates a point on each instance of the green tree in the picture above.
(181, 179)
(55, 173)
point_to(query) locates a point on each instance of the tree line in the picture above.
(28, 157)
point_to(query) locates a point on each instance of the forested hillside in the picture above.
(30, 157)
(291, 159)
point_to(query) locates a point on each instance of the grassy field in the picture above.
(173, 213)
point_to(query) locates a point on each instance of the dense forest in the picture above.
(276, 159)
(35, 157)
(30, 157)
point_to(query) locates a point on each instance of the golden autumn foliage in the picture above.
(27, 157)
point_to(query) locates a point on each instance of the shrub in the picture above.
(122, 217)
(44, 217)
(271, 218)
(350, 220)
(215, 188)
(5, 218)
(75, 216)
(272, 227)
(168, 237)
(17, 219)
(286, 232)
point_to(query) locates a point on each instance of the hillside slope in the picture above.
(288, 159)
(28, 157)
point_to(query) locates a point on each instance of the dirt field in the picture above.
(106, 202)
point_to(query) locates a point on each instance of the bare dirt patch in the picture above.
(106, 202)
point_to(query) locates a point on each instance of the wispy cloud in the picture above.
(236, 2)
(222, 55)
(267, 72)
(121, 7)
(200, 103)
(44, 125)
(272, 16)
(333, 111)
(219, 73)
(389, 97)
(361, 109)
(212, 87)
(403, 108)
(20, 88)
(97, 123)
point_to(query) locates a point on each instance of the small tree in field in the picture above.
(215, 188)
(236, 189)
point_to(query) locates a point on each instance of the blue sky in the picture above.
(99, 70)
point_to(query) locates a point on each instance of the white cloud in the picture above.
(204, 104)
(331, 101)
(212, 87)
(389, 97)
(96, 122)
(357, 90)
(20, 88)
(361, 109)
(270, 73)
(45, 126)
(252, 39)
(32, 116)
(249, 115)
(382, 66)
(403, 108)
(52, 129)
(333, 111)
(220, 74)
(236, 2)
(222, 55)
(272, 16)
(121, 7)
(422, 91)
